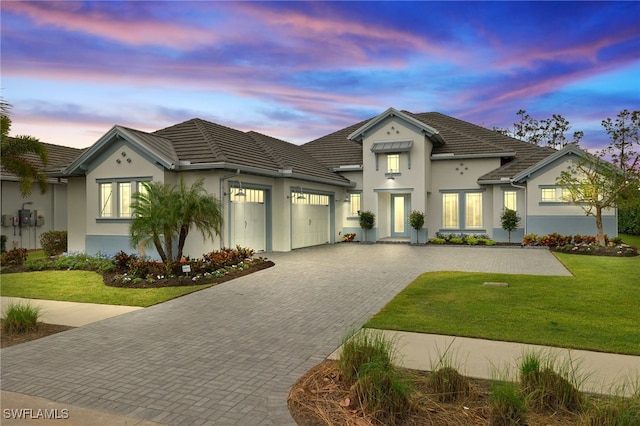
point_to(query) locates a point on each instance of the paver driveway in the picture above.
(227, 355)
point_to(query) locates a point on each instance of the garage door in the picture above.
(248, 219)
(310, 220)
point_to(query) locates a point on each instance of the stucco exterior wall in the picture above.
(460, 175)
(562, 217)
(77, 213)
(52, 206)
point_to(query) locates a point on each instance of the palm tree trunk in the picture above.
(184, 231)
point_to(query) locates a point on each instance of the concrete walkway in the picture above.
(228, 355)
(70, 313)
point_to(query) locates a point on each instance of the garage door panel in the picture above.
(248, 224)
(310, 225)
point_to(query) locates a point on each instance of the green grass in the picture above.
(36, 255)
(86, 287)
(596, 309)
(632, 240)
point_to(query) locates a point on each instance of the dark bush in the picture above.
(3, 243)
(16, 256)
(629, 220)
(54, 242)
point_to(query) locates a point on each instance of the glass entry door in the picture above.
(399, 215)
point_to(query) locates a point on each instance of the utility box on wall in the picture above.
(9, 220)
(25, 217)
(39, 217)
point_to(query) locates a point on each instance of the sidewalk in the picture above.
(603, 373)
(70, 313)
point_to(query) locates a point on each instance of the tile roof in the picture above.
(461, 138)
(59, 157)
(199, 141)
(334, 149)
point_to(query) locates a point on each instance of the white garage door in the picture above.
(310, 220)
(248, 219)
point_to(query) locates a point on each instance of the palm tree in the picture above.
(163, 211)
(198, 208)
(18, 154)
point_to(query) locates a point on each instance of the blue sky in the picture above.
(300, 70)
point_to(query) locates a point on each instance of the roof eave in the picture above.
(358, 135)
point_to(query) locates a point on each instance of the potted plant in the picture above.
(416, 221)
(367, 221)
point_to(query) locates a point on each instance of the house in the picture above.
(277, 196)
(24, 219)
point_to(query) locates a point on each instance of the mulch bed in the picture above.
(185, 281)
(42, 330)
(322, 397)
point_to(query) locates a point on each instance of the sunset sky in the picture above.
(298, 70)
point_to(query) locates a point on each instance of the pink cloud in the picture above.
(138, 32)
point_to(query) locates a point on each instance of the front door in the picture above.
(399, 215)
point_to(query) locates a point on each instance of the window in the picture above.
(450, 214)
(115, 197)
(510, 200)
(554, 195)
(548, 194)
(106, 199)
(354, 204)
(310, 199)
(124, 199)
(462, 210)
(247, 195)
(393, 163)
(473, 210)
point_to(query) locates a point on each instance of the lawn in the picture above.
(85, 286)
(596, 309)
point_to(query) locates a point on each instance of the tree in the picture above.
(16, 151)
(546, 132)
(416, 221)
(367, 221)
(509, 220)
(595, 184)
(164, 212)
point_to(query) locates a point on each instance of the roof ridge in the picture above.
(200, 125)
(456, 131)
(268, 149)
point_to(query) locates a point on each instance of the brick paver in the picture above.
(228, 355)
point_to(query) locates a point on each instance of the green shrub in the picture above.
(384, 392)
(472, 241)
(437, 240)
(546, 388)
(416, 219)
(448, 384)
(366, 363)
(365, 346)
(20, 318)
(54, 242)
(508, 405)
(3, 243)
(456, 240)
(488, 242)
(14, 257)
(613, 412)
(629, 220)
(367, 221)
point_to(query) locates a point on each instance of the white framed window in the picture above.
(105, 191)
(354, 203)
(310, 199)
(393, 163)
(554, 194)
(450, 210)
(511, 200)
(124, 199)
(473, 211)
(115, 197)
